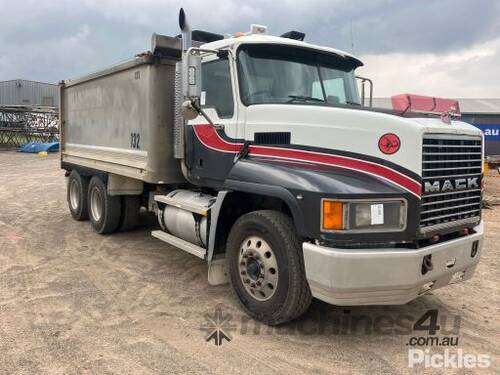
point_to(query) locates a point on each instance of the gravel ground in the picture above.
(72, 301)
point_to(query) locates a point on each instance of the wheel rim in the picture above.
(258, 268)
(74, 194)
(95, 204)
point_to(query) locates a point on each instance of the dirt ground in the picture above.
(73, 301)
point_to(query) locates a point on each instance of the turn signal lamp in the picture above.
(332, 215)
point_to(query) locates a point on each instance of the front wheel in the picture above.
(266, 267)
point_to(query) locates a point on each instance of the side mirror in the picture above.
(188, 111)
(191, 75)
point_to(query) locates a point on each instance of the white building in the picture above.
(32, 93)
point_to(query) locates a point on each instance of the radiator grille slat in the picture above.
(474, 212)
(447, 201)
(450, 168)
(453, 153)
(447, 207)
(430, 145)
(450, 176)
(450, 159)
(453, 161)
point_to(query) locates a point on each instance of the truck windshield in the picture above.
(272, 73)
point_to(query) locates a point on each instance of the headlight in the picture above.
(363, 216)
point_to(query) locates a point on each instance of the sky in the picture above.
(447, 48)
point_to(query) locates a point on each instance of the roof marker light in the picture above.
(258, 29)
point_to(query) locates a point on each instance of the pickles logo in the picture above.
(218, 327)
(447, 359)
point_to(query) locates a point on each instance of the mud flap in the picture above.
(217, 272)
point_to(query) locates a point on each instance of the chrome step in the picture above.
(180, 243)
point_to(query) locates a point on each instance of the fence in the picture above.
(22, 124)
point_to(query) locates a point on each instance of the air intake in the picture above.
(206, 36)
(295, 35)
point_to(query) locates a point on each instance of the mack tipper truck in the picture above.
(258, 155)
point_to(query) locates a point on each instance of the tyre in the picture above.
(104, 209)
(77, 192)
(130, 212)
(266, 267)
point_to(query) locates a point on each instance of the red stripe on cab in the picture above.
(207, 135)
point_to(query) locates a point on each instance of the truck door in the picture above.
(210, 150)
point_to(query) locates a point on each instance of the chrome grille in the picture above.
(450, 158)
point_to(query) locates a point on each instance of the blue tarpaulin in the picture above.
(36, 147)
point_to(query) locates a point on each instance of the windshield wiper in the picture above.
(294, 98)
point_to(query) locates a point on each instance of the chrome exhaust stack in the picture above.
(185, 31)
(179, 123)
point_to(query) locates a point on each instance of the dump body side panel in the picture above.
(120, 121)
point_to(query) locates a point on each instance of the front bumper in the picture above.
(349, 277)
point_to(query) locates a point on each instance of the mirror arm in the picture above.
(201, 112)
(204, 114)
(199, 51)
(363, 80)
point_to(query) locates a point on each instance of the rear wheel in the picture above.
(77, 192)
(266, 267)
(104, 209)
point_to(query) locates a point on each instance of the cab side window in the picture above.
(216, 85)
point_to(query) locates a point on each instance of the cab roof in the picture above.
(235, 42)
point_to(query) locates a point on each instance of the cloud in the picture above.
(434, 45)
(425, 26)
(469, 72)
